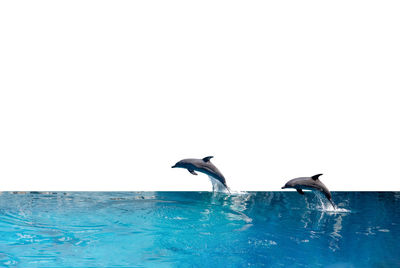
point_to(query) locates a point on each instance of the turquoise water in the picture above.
(198, 229)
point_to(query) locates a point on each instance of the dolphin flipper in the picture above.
(192, 171)
(300, 191)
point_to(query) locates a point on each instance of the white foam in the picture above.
(327, 206)
(239, 192)
(218, 186)
(336, 210)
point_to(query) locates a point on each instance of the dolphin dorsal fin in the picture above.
(315, 177)
(207, 159)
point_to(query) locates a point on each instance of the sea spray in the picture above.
(217, 186)
(327, 206)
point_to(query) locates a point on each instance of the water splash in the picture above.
(217, 186)
(233, 193)
(326, 206)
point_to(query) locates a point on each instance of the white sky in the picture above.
(107, 95)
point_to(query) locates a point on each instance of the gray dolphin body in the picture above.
(309, 183)
(204, 166)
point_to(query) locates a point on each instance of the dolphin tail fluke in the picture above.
(333, 204)
(227, 188)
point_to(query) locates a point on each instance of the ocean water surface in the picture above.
(198, 229)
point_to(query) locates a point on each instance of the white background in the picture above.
(107, 95)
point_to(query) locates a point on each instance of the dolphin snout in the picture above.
(283, 187)
(174, 166)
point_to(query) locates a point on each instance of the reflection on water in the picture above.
(200, 229)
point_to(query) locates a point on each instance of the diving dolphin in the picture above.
(309, 183)
(204, 166)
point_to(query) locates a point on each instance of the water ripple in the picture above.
(79, 229)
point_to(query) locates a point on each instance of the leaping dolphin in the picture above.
(309, 183)
(204, 166)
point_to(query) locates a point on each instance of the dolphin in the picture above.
(309, 183)
(204, 166)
